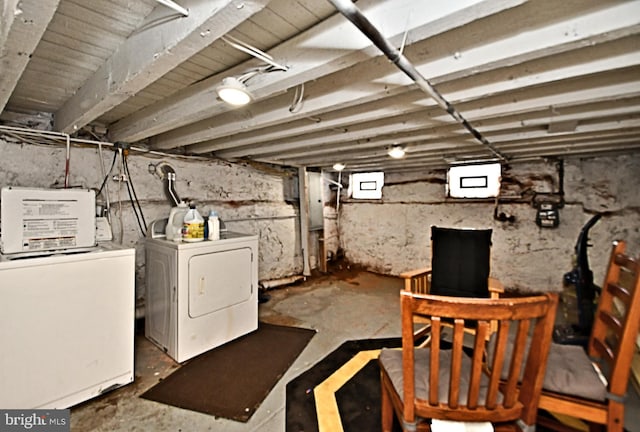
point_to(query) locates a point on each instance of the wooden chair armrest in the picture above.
(415, 273)
(417, 281)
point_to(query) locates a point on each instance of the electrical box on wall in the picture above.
(547, 215)
(316, 217)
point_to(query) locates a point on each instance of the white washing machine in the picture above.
(66, 326)
(200, 295)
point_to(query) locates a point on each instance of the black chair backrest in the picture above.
(460, 262)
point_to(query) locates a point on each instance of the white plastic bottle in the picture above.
(175, 222)
(214, 226)
(193, 226)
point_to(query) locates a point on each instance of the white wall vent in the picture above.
(474, 181)
(366, 185)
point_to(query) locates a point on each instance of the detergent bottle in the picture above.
(214, 226)
(193, 225)
(175, 221)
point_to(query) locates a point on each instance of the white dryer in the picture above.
(200, 295)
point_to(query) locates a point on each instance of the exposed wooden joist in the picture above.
(552, 69)
(512, 114)
(522, 150)
(328, 47)
(150, 53)
(21, 27)
(528, 99)
(373, 85)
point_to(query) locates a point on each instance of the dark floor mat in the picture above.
(358, 399)
(231, 381)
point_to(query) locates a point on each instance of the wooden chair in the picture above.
(592, 385)
(437, 383)
(460, 266)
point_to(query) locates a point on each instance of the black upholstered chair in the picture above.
(460, 267)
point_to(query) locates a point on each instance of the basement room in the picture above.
(319, 215)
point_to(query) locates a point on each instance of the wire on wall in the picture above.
(133, 197)
(107, 209)
(67, 162)
(108, 173)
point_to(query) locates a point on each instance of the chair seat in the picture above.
(391, 360)
(571, 372)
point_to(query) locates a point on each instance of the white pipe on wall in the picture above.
(303, 193)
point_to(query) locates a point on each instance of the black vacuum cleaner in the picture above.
(580, 277)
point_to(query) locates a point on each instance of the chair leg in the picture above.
(387, 409)
(615, 417)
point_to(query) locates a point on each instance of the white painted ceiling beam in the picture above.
(541, 134)
(437, 137)
(522, 151)
(448, 146)
(150, 53)
(482, 85)
(22, 24)
(465, 152)
(578, 90)
(406, 166)
(326, 48)
(339, 91)
(8, 13)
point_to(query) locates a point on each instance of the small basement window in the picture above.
(366, 185)
(474, 181)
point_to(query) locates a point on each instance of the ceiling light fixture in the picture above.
(396, 152)
(339, 166)
(234, 91)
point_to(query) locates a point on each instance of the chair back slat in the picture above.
(477, 369)
(603, 350)
(517, 359)
(420, 285)
(456, 363)
(434, 379)
(621, 292)
(498, 363)
(613, 322)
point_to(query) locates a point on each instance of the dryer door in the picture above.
(219, 280)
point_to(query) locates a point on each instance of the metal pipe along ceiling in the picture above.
(173, 5)
(353, 14)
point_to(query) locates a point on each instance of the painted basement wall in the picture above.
(249, 200)
(392, 235)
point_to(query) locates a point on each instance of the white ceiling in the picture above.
(536, 79)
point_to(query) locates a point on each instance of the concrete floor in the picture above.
(341, 307)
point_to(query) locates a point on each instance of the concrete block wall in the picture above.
(391, 235)
(251, 199)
